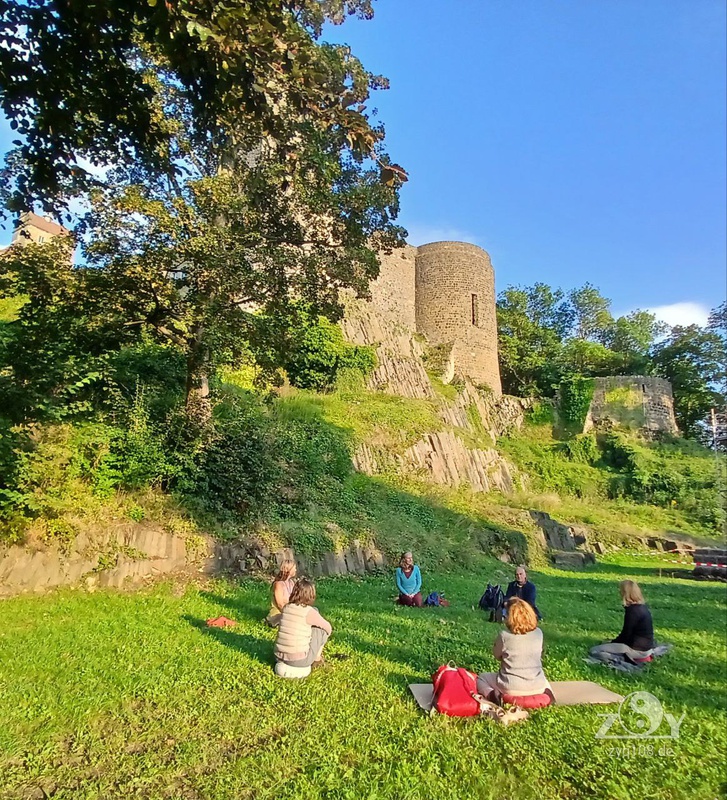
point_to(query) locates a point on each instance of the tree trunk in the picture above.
(198, 404)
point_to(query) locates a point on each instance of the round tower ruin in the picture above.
(455, 306)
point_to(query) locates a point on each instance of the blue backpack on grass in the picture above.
(435, 599)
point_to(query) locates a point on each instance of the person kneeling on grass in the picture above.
(303, 632)
(408, 581)
(282, 587)
(519, 650)
(636, 640)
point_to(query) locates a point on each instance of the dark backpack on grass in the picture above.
(493, 601)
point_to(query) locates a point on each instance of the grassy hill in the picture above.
(117, 695)
(619, 485)
(281, 468)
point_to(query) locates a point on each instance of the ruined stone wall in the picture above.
(633, 401)
(392, 293)
(444, 291)
(455, 304)
(388, 322)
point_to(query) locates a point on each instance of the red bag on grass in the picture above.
(453, 689)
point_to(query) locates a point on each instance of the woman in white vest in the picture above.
(303, 632)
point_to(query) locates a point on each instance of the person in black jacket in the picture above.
(523, 588)
(636, 640)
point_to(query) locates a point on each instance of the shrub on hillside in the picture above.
(238, 467)
(582, 449)
(319, 352)
(54, 470)
(680, 474)
(256, 461)
(575, 395)
(158, 371)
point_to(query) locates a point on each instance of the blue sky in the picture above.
(575, 140)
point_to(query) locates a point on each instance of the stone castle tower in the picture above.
(445, 292)
(455, 307)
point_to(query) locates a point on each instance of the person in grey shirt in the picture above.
(519, 650)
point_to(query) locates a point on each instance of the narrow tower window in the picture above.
(475, 311)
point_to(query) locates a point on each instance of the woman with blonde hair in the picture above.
(519, 649)
(409, 581)
(281, 589)
(303, 631)
(636, 640)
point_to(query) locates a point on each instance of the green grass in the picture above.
(114, 695)
(366, 416)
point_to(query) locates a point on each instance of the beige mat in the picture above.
(566, 693)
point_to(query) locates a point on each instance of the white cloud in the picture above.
(426, 234)
(686, 313)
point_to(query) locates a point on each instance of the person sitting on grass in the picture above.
(303, 632)
(522, 588)
(281, 589)
(408, 581)
(636, 640)
(519, 650)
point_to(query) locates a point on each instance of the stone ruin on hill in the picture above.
(633, 401)
(432, 311)
(434, 303)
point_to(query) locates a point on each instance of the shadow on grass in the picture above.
(241, 609)
(259, 649)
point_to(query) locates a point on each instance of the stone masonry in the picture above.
(635, 401)
(443, 292)
(455, 305)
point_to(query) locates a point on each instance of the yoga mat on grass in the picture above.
(566, 693)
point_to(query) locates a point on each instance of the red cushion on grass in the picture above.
(527, 701)
(643, 660)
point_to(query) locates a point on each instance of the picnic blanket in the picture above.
(566, 693)
(621, 662)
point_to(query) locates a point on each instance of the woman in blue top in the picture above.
(409, 581)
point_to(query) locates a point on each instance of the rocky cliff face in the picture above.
(400, 369)
(447, 456)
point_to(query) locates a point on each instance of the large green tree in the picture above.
(74, 86)
(693, 359)
(591, 312)
(246, 181)
(532, 323)
(216, 260)
(632, 338)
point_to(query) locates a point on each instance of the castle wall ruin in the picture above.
(393, 292)
(633, 401)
